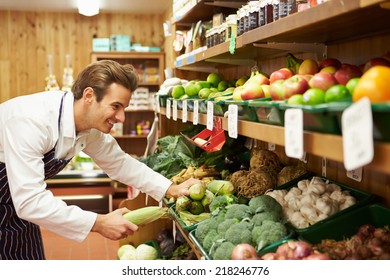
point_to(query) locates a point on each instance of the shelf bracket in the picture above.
(319, 49)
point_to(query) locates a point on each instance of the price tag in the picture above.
(196, 112)
(168, 112)
(357, 131)
(293, 133)
(174, 110)
(158, 109)
(232, 120)
(271, 146)
(355, 174)
(323, 166)
(232, 44)
(210, 115)
(184, 112)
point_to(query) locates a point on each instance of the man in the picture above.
(39, 135)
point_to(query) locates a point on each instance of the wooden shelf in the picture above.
(329, 23)
(323, 145)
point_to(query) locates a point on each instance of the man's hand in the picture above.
(113, 225)
(181, 189)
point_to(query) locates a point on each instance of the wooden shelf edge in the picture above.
(329, 146)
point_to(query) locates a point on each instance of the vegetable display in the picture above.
(312, 201)
(145, 215)
(295, 250)
(141, 252)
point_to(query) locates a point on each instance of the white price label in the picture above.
(168, 112)
(196, 112)
(293, 133)
(174, 110)
(232, 120)
(355, 174)
(323, 166)
(357, 130)
(184, 112)
(271, 146)
(210, 115)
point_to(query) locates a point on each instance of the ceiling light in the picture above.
(88, 7)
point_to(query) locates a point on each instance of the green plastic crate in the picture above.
(346, 225)
(362, 198)
(268, 111)
(322, 118)
(162, 100)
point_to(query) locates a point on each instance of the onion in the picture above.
(316, 257)
(244, 251)
(270, 256)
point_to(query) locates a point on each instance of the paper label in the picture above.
(293, 133)
(232, 120)
(355, 174)
(210, 115)
(357, 131)
(184, 112)
(174, 110)
(271, 146)
(196, 112)
(168, 112)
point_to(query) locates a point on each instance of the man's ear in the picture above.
(88, 95)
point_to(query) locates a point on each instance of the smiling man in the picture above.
(39, 135)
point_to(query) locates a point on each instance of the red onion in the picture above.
(244, 251)
(316, 257)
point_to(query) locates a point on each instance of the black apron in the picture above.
(20, 239)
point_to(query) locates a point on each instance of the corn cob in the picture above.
(145, 215)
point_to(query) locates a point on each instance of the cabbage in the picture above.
(127, 252)
(146, 252)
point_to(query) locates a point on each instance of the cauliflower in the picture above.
(238, 211)
(264, 203)
(239, 233)
(223, 251)
(267, 233)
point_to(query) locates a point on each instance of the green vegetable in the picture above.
(190, 219)
(221, 201)
(127, 252)
(145, 215)
(209, 239)
(207, 199)
(182, 203)
(202, 229)
(259, 218)
(223, 251)
(239, 233)
(268, 233)
(238, 211)
(264, 203)
(226, 224)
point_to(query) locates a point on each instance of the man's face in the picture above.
(111, 109)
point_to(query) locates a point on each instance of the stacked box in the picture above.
(139, 99)
(120, 43)
(101, 44)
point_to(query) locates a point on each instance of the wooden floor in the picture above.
(94, 247)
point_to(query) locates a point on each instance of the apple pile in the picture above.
(312, 82)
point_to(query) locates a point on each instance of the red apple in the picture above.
(347, 72)
(308, 67)
(297, 84)
(329, 62)
(281, 74)
(322, 80)
(376, 61)
(260, 79)
(252, 90)
(276, 90)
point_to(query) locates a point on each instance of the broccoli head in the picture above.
(265, 203)
(221, 201)
(226, 224)
(239, 233)
(223, 251)
(209, 239)
(238, 211)
(259, 218)
(202, 229)
(267, 233)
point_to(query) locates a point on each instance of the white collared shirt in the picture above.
(29, 129)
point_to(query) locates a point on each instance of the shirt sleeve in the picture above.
(120, 166)
(25, 143)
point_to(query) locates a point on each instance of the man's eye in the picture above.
(116, 107)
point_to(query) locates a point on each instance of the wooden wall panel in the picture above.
(29, 37)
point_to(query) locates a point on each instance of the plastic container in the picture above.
(268, 111)
(346, 225)
(362, 198)
(245, 112)
(324, 118)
